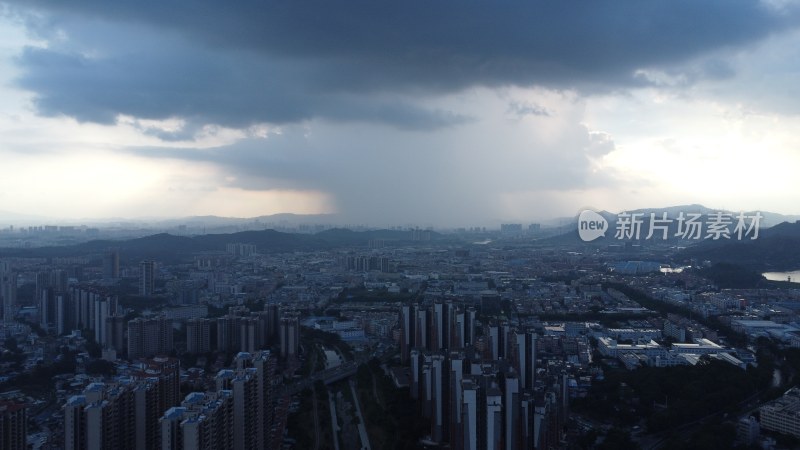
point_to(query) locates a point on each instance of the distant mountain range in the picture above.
(288, 220)
(769, 218)
(167, 247)
(11, 218)
(569, 227)
(776, 249)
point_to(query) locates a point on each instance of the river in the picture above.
(332, 359)
(793, 276)
(777, 378)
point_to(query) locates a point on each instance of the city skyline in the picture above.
(444, 114)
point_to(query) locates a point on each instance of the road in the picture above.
(326, 376)
(362, 426)
(334, 420)
(316, 417)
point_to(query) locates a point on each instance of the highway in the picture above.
(326, 376)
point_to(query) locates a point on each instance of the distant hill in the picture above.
(769, 219)
(570, 235)
(777, 248)
(168, 247)
(345, 237)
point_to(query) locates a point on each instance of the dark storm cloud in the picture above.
(392, 176)
(262, 61)
(201, 87)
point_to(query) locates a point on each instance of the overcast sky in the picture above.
(444, 113)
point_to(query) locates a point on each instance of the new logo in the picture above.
(591, 225)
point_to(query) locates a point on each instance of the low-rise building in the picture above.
(783, 414)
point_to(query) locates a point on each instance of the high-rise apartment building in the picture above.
(204, 421)
(273, 321)
(408, 320)
(8, 291)
(104, 307)
(101, 418)
(289, 336)
(63, 314)
(254, 403)
(111, 264)
(49, 285)
(422, 338)
(75, 423)
(47, 309)
(114, 334)
(122, 415)
(494, 418)
(469, 326)
(147, 274)
(229, 333)
(511, 416)
(487, 396)
(198, 335)
(13, 425)
(149, 337)
(439, 326)
(524, 357)
(147, 401)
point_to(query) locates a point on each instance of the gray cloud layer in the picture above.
(392, 176)
(281, 62)
(376, 79)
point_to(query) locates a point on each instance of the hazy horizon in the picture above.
(292, 219)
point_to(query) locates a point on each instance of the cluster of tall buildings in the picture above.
(123, 414)
(142, 410)
(479, 386)
(245, 411)
(437, 327)
(242, 330)
(241, 249)
(62, 308)
(364, 263)
(150, 336)
(147, 271)
(50, 292)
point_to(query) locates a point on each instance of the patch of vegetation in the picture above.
(330, 340)
(300, 425)
(391, 416)
(733, 276)
(617, 439)
(713, 436)
(100, 367)
(671, 396)
(40, 380)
